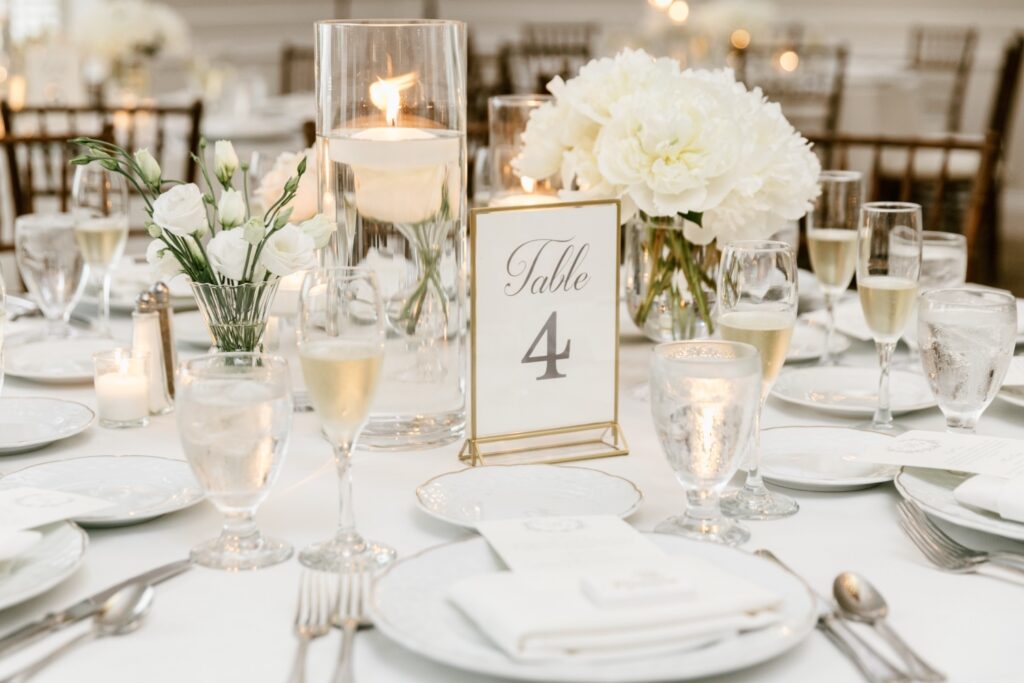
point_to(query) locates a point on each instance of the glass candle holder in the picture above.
(507, 116)
(122, 388)
(391, 149)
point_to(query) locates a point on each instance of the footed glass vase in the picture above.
(236, 314)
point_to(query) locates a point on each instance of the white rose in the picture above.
(288, 250)
(227, 250)
(231, 208)
(225, 161)
(320, 229)
(180, 210)
(150, 168)
(271, 187)
(162, 262)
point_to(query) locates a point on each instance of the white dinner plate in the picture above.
(932, 490)
(30, 423)
(852, 390)
(190, 328)
(808, 342)
(411, 607)
(1014, 395)
(478, 494)
(56, 361)
(53, 559)
(141, 487)
(822, 458)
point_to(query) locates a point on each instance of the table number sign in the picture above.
(545, 333)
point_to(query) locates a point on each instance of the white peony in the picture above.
(162, 262)
(116, 30)
(288, 250)
(227, 250)
(225, 161)
(304, 204)
(320, 229)
(231, 208)
(180, 210)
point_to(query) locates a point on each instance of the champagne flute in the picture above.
(832, 242)
(341, 347)
(757, 302)
(99, 200)
(51, 265)
(888, 269)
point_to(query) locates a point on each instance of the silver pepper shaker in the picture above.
(162, 299)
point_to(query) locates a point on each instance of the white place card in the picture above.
(25, 507)
(959, 452)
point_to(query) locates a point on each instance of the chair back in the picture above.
(1005, 98)
(947, 51)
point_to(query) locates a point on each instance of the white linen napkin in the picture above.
(550, 615)
(1005, 497)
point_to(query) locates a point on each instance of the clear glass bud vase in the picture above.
(236, 314)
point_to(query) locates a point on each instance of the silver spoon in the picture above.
(122, 613)
(860, 601)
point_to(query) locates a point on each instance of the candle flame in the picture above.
(527, 183)
(386, 94)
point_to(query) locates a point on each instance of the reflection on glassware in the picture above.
(757, 302)
(967, 339)
(99, 200)
(482, 188)
(341, 347)
(888, 269)
(832, 242)
(122, 388)
(704, 400)
(51, 265)
(234, 413)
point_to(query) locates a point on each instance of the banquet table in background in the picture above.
(218, 626)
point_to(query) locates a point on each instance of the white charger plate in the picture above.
(844, 390)
(191, 328)
(141, 487)
(808, 341)
(932, 490)
(478, 494)
(56, 361)
(410, 606)
(53, 559)
(823, 458)
(30, 423)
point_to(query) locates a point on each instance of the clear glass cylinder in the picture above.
(391, 147)
(507, 116)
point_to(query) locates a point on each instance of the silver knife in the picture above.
(54, 621)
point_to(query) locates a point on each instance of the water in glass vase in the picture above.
(398, 195)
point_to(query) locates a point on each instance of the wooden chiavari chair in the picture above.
(949, 51)
(297, 69)
(560, 36)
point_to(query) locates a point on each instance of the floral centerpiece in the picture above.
(232, 254)
(696, 159)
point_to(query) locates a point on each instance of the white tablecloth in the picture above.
(215, 626)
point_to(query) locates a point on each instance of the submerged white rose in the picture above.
(180, 210)
(288, 250)
(271, 187)
(231, 208)
(162, 262)
(227, 250)
(320, 229)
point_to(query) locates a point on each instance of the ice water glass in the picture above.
(704, 401)
(967, 339)
(234, 413)
(756, 305)
(943, 265)
(341, 347)
(51, 265)
(888, 270)
(832, 242)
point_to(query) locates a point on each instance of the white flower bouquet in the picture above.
(119, 30)
(687, 148)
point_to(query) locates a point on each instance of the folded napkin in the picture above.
(612, 612)
(1004, 497)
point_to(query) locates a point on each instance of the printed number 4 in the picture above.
(552, 357)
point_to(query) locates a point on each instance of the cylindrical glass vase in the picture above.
(507, 116)
(391, 146)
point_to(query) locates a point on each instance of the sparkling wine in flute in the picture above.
(767, 331)
(341, 378)
(102, 240)
(887, 302)
(833, 256)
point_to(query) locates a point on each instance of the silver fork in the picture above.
(312, 617)
(353, 589)
(945, 552)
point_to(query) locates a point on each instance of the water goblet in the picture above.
(943, 265)
(341, 347)
(51, 265)
(704, 398)
(757, 302)
(234, 413)
(967, 339)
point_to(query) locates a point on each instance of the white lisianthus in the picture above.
(304, 204)
(162, 262)
(254, 231)
(320, 229)
(288, 250)
(225, 161)
(180, 211)
(231, 208)
(150, 168)
(227, 250)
